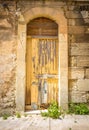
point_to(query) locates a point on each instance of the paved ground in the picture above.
(36, 122)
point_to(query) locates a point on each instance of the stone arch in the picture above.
(58, 16)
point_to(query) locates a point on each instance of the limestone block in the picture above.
(81, 38)
(76, 22)
(76, 73)
(80, 45)
(87, 95)
(76, 29)
(72, 14)
(87, 73)
(73, 61)
(79, 49)
(83, 61)
(71, 22)
(79, 22)
(75, 94)
(78, 97)
(71, 7)
(83, 85)
(73, 85)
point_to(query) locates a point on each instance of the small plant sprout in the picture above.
(18, 115)
(53, 111)
(5, 116)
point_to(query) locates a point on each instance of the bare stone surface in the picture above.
(73, 15)
(78, 97)
(76, 73)
(83, 61)
(4, 23)
(7, 75)
(73, 61)
(87, 73)
(82, 46)
(71, 22)
(76, 22)
(78, 91)
(79, 49)
(83, 85)
(81, 38)
(76, 29)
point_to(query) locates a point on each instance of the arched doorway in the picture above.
(58, 16)
(41, 63)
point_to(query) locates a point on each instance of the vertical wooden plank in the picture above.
(54, 91)
(51, 52)
(57, 90)
(57, 52)
(34, 82)
(49, 96)
(28, 71)
(47, 56)
(38, 57)
(54, 56)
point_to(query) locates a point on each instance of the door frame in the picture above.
(58, 16)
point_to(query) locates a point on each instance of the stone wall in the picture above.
(78, 56)
(7, 59)
(78, 47)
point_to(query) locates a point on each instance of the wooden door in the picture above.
(42, 72)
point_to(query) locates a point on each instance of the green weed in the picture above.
(53, 111)
(5, 116)
(18, 115)
(80, 109)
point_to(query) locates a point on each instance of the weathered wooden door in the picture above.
(41, 63)
(42, 72)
